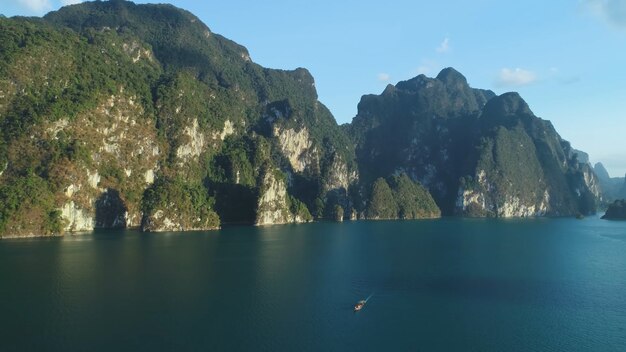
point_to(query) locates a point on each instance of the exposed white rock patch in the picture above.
(149, 177)
(512, 206)
(76, 219)
(112, 148)
(339, 176)
(136, 52)
(592, 182)
(272, 204)
(466, 198)
(194, 147)
(169, 225)
(71, 189)
(298, 219)
(297, 147)
(93, 179)
(57, 127)
(273, 208)
(158, 214)
(128, 172)
(229, 129)
(170, 219)
(3, 168)
(132, 220)
(482, 178)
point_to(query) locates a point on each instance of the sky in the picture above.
(567, 58)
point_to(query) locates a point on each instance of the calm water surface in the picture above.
(441, 285)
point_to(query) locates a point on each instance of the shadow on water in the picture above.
(110, 210)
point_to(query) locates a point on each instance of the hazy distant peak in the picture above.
(601, 171)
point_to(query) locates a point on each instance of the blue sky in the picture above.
(567, 58)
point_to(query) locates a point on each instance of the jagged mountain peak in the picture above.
(601, 171)
(450, 76)
(118, 14)
(415, 84)
(507, 104)
(178, 38)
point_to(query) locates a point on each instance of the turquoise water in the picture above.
(438, 285)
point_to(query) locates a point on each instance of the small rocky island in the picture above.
(616, 211)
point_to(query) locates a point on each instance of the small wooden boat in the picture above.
(359, 305)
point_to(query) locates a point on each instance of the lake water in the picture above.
(437, 285)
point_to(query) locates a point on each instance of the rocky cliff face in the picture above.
(477, 153)
(418, 127)
(124, 101)
(524, 168)
(125, 156)
(298, 148)
(121, 115)
(274, 204)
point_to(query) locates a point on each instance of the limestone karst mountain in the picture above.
(117, 115)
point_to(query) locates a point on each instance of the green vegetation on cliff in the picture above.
(121, 115)
(477, 153)
(401, 198)
(28, 199)
(174, 204)
(106, 98)
(414, 201)
(381, 204)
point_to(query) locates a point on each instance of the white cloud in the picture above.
(38, 6)
(444, 47)
(515, 77)
(613, 11)
(384, 77)
(70, 2)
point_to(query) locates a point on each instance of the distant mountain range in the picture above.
(121, 115)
